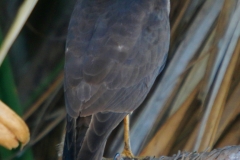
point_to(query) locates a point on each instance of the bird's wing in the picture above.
(113, 50)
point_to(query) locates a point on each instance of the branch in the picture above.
(229, 153)
(20, 19)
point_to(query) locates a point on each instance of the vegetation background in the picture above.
(194, 104)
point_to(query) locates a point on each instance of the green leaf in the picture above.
(8, 94)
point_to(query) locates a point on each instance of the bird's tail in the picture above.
(100, 127)
(75, 133)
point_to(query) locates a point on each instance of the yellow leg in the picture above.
(127, 148)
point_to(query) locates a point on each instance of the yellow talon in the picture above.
(127, 148)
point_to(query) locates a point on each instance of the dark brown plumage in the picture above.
(115, 50)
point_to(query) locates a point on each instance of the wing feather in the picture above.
(113, 57)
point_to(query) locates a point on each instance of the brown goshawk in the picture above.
(115, 50)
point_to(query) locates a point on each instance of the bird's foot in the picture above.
(127, 153)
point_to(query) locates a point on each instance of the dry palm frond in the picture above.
(20, 19)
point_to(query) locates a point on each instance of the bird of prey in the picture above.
(115, 49)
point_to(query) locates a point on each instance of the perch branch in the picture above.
(229, 153)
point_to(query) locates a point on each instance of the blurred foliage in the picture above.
(36, 57)
(8, 94)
